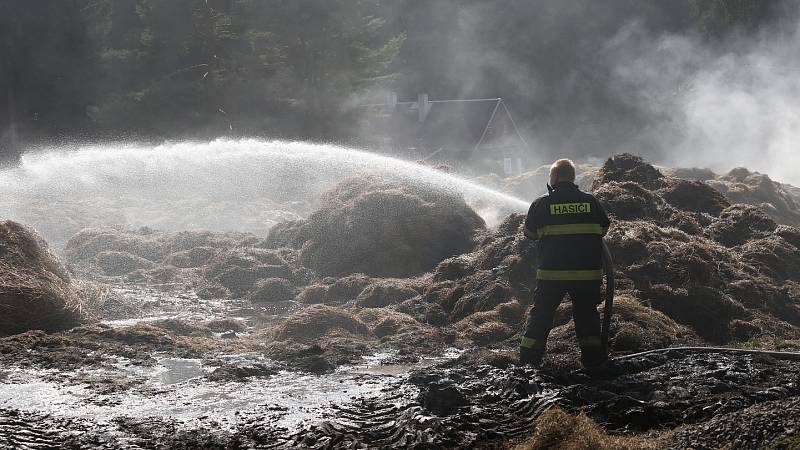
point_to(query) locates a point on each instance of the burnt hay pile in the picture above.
(36, 292)
(727, 271)
(382, 264)
(693, 267)
(779, 201)
(382, 228)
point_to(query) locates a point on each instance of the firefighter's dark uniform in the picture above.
(569, 226)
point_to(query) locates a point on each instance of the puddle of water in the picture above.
(380, 363)
(177, 370)
(131, 322)
(166, 371)
(176, 388)
(138, 304)
(288, 399)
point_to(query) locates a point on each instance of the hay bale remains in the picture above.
(740, 223)
(36, 292)
(628, 168)
(693, 196)
(480, 293)
(636, 327)
(121, 263)
(316, 321)
(285, 234)
(402, 331)
(630, 201)
(789, 234)
(272, 290)
(194, 257)
(780, 201)
(705, 310)
(146, 243)
(385, 293)
(239, 269)
(335, 291)
(312, 295)
(689, 173)
(774, 257)
(757, 189)
(452, 269)
(491, 327)
(347, 288)
(556, 429)
(382, 228)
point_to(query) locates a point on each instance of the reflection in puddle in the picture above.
(136, 304)
(176, 370)
(178, 388)
(381, 363)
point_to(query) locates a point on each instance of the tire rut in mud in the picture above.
(439, 408)
(457, 408)
(28, 431)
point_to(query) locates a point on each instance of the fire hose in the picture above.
(608, 310)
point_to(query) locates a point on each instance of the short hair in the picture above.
(563, 169)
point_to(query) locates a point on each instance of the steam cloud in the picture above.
(733, 105)
(598, 78)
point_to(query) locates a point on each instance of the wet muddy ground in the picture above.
(371, 406)
(151, 374)
(138, 389)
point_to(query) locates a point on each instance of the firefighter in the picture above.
(569, 226)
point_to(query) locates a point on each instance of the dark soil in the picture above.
(771, 425)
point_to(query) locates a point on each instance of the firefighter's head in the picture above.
(562, 170)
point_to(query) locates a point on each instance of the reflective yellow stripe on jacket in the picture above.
(571, 228)
(569, 275)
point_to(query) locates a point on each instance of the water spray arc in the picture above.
(232, 185)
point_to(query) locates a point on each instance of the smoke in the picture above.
(681, 83)
(723, 105)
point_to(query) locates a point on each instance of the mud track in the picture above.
(453, 408)
(468, 406)
(462, 407)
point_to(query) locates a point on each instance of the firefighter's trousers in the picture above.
(585, 297)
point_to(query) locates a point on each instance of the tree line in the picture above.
(155, 69)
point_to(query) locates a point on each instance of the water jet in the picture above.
(225, 184)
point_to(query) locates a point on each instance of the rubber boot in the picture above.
(530, 357)
(593, 356)
(531, 351)
(600, 366)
